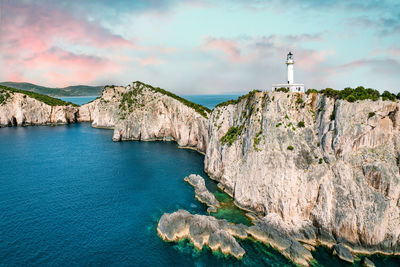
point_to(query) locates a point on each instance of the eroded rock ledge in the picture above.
(201, 192)
(220, 235)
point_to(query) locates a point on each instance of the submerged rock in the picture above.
(343, 253)
(201, 192)
(202, 230)
(367, 263)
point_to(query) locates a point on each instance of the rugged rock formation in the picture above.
(202, 230)
(327, 170)
(219, 235)
(17, 109)
(201, 192)
(141, 112)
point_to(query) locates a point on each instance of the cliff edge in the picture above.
(142, 112)
(323, 171)
(22, 108)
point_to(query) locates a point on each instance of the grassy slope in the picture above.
(128, 98)
(4, 90)
(78, 90)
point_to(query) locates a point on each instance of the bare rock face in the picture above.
(21, 110)
(202, 230)
(201, 192)
(328, 169)
(139, 112)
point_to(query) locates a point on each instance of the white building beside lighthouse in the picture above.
(290, 85)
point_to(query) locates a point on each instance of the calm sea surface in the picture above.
(69, 196)
(209, 101)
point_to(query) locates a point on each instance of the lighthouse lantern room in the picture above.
(290, 85)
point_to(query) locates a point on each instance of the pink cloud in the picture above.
(151, 61)
(229, 47)
(29, 45)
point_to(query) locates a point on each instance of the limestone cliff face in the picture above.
(21, 110)
(139, 112)
(320, 169)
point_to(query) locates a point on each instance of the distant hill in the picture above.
(77, 90)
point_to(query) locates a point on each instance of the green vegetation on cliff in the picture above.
(354, 94)
(240, 98)
(130, 98)
(5, 93)
(231, 135)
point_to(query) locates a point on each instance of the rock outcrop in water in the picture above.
(201, 192)
(18, 109)
(202, 230)
(324, 171)
(220, 235)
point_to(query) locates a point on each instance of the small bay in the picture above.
(69, 195)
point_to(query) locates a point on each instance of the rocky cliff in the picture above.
(18, 109)
(320, 170)
(324, 171)
(141, 112)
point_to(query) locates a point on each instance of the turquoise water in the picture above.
(79, 100)
(71, 196)
(209, 101)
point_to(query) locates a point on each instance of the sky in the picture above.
(201, 46)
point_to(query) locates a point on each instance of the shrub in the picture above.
(320, 161)
(299, 101)
(354, 94)
(282, 89)
(231, 135)
(351, 98)
(309, 91)
(388, 96)
(278, 124)
(290, 148)
(301, 124)
(333, 115)
(371, 114)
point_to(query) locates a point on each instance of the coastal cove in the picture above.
(104, 199)
(69, 195)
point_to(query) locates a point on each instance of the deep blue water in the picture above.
(71, 196)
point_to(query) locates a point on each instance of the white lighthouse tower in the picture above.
(290, 85)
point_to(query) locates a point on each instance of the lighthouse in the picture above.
(290, 85)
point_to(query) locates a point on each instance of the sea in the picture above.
(70, 196)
